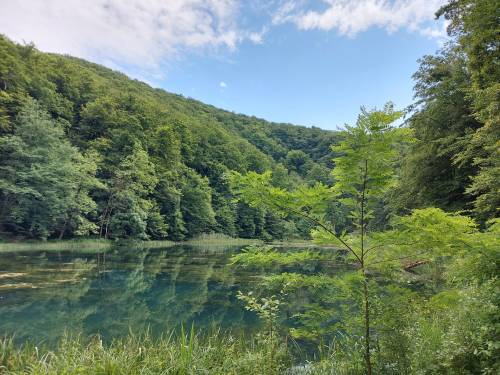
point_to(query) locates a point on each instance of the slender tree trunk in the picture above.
(63, 229)
(366, 302)
(107, 224)
(105, 217)
(368, 361)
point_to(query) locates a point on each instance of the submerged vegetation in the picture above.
(408, 215)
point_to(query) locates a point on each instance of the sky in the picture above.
(306, 62)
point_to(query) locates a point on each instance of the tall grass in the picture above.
(56, 245)
(214, 239)
(187, 353)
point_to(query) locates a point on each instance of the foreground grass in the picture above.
(184, 354)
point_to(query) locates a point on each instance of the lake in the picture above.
(45, 293)
(42, 294)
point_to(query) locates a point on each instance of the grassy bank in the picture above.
(217, 239)
(184, 354)
(56, 245)
(212, 240)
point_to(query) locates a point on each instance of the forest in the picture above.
(87, 151)
(411, 209)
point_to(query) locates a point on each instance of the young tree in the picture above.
(363, 173)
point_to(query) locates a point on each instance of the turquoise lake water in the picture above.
(44, 294)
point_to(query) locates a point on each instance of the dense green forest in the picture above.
(88, 151)
(410, 211)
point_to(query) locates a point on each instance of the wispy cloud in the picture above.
(222, 84)
(142, 36)
(137, 33)
(350, 17)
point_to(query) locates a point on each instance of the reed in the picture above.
(56, 245)
(220, 239)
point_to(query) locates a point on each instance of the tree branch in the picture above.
(401, 258)
(320, 224)
(395, 243)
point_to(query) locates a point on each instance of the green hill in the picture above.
(85, 149)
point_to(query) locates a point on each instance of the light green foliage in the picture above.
(425, 234)
(367, 155)
(257, 190)
(431, 234)
(267, 308)
(363, 172)
(305, 292)
(267, 256)
(44, 179)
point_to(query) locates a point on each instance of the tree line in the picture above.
(86, 151)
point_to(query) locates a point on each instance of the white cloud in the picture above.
(350, 17)
(141, 34)
(258, 37)
(223, 84)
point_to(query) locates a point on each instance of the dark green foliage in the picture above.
(155, 164)
(455, 163)
(443, 125)
(196, 205)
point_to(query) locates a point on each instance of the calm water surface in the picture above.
(44, 294)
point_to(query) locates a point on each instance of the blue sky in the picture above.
(313, 78)
(298, 61)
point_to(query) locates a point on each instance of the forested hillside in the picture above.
(455, 162)
(86, 150)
